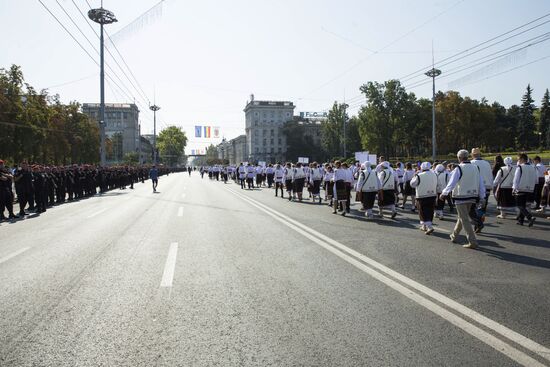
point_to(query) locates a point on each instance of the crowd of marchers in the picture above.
(35, 188)
(464, 186)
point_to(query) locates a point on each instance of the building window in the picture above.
(279, 150)
(272, 114)
(264, 115)
(272, 132)
(125, 115)
(288, 114)
(256, 114)
(271, 150)
(264, 132)
(272, 141)
(280, 141)
(257, 150)
(265, 141)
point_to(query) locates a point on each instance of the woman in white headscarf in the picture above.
(368, 185)
(502, 187)
(425, 184)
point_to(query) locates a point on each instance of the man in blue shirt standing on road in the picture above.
(154, 174)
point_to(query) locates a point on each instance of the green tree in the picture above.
(300, 143)
(332, 130)
(171, 143)
(526, 128)
(544, 122)
(383, 120)
(131, 158)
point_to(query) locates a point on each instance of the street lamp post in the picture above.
(102, 16)
(433, 73)
(154, 108)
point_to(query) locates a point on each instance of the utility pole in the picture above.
(102, 16)
(433, 73)
(345, 121)
(154, 108)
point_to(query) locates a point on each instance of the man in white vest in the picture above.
(467, 187)
(425, 183)
(523, 187)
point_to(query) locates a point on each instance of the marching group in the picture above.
(464, 186)
(39, 187)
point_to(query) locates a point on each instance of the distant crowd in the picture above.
(463, 186)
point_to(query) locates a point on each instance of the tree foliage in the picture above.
(171, 143)
(38, 128)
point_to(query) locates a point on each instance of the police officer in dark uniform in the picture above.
(6, 193)
(24, 188)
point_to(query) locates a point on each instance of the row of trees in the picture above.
(39, 128)
(395, 123)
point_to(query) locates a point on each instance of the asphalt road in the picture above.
(207, 274)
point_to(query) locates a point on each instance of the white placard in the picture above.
(261, 163)
(362, 156)
(372, 159)
(303, 160)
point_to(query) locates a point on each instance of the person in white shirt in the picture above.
(288, 180)
(340, 192)
(368, 185)
(349, 185)
(250, 173)
(486, 174)
(442, 180)
(279, 175)
(328, 184)
(269, 173)
(425, 183)
(408, 190)
(540, 182)
(546, 192)
(241, 172)
(389, 181)
(467, 187)
(259, 175)
(523, 187)
(298, 180)
(502, 187)
(399, 170)
(315, 178)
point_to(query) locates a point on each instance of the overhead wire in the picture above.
(441, 63)
(361, 61)
(482, 61)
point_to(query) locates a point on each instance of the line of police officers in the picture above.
(38, 187)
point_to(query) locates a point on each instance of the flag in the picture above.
(192, 151)
(198, 131)
(216, 132)
(207, 131)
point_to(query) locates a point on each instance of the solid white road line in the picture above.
(180, 211)
(13, 254)
(169, 267)
(96, 213)
(352, 256)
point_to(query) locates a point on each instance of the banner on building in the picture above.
(216, 132)
(314, 115)
(198, 131)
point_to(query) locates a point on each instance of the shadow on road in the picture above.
(520, 259)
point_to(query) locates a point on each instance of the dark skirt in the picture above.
(407, 189)
(505, 199)
(341, 191)
(368, 198)
(316, 187)
(329, 189)
(388, 198)
(426, 208)
(288, 185)
(299, 185)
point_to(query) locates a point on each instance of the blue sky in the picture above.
(201, 60)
